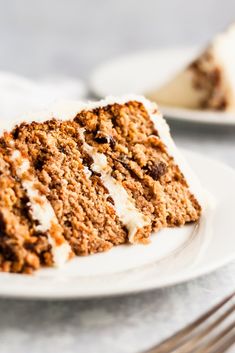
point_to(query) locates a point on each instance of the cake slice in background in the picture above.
(206, 83)
(81, 178)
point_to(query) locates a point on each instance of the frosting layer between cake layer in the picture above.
(124, 205)
(42, 211)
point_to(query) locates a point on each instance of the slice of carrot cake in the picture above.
(208, 82)
(82, 178)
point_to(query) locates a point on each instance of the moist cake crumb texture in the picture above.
(83, 185)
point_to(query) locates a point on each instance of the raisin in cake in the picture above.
(206, 83)
(82, 178)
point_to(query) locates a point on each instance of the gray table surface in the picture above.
(125, 324)
(71, 37)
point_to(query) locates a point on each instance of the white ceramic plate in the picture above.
(173, 256)
(141, 72)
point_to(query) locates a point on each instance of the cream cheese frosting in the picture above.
(124, 204)
(41, 211)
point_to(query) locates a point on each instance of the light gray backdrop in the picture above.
(72, 36)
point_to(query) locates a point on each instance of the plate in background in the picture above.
(141, 72)
(173, 256)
